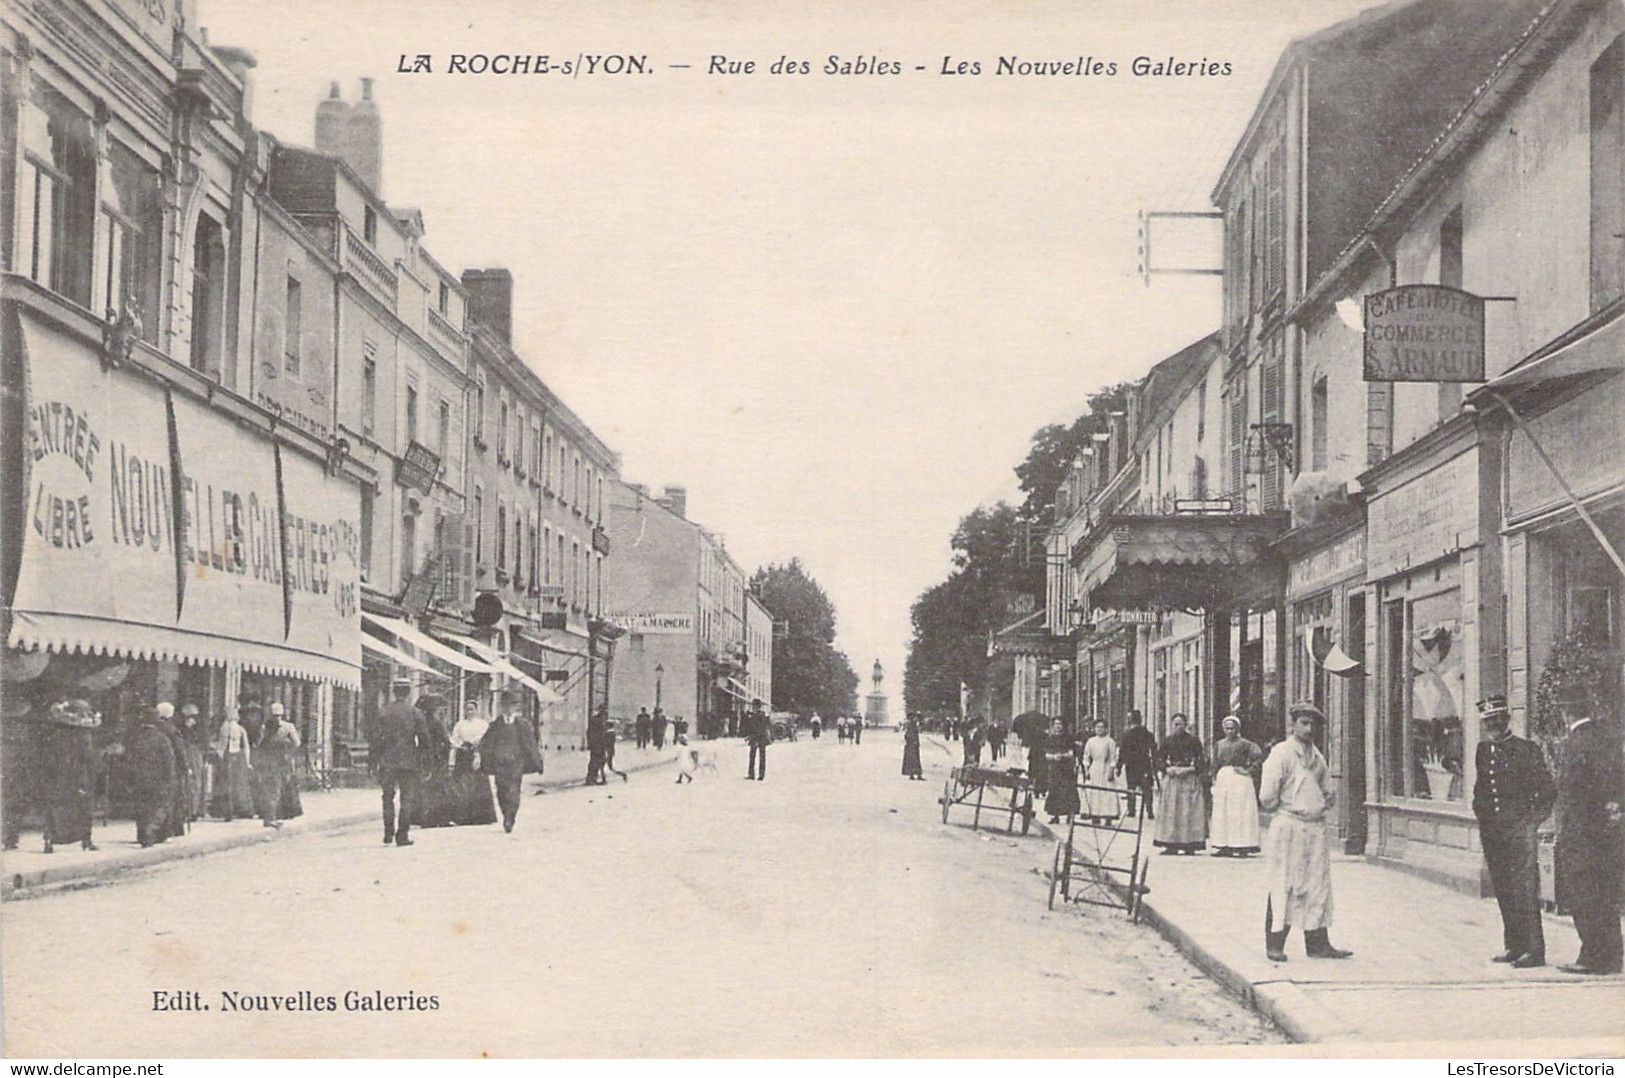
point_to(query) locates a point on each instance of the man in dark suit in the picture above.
(758, 732)
(508, 751)
(1137, 754)
(1511, 796)
(397, 740)
(1591, 842)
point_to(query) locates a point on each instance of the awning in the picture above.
(497, 660)
(544, 645)
(1187, 562)
(734, 688)
(1598, 351)
(66, 634)
(426, 643)
(400, 658)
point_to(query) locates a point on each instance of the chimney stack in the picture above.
(490, 300)
(676, 499)
(354, 134)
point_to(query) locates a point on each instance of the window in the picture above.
(1425, 735)
(518, 549)
(1608, 176)
(547, 554)
(411, 413)
(1201, 409)
(600, 513)
(575, 497)
(367, 497)
(536, 451)
(369, 225)
(208, 295)
(369, 395)
(518, 443)
(293, 327)
(530, 540)
(1236, 407)
(479, 406)
(1319, 416)
(479, 524)
(444, 302)
(560, 562)
(56, 196)
(502, 429)
(547, 459)
(502, 536)
(130, 229)
(443, 433)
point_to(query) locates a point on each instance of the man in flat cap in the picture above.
(1511, 796)
(397, 741)
(1297, 787)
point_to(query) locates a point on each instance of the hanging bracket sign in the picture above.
(1424, 333)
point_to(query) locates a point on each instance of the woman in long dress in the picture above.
(471, 790)
(1182, 823)
(1235, 801)
(68, 773)
(437, 800)
(233, 785)
(1061, 771)
(911, 750)
(1100, 769)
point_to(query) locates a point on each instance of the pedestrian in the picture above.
(1235, 798)
(233, 786)
(857, 729)
(610, 733)
(1512, 794)
(195, 744)
(1182, 827)
(180, 809)
(758, 734)
(996, 733)
(436, 801)
(398, 739)
(679, 726)
(19, 765)
(640, 727)
(1137, 754)
(154, 780)
(1037, 759)
(1061, 773)
(508, 753)
(471, 789)
(1591, 841)
(68, 773)
(595, 750)
(274, 757)
(911, 749)
(817, 726)
(1100, 766)
(1297, 787)
(972, 740)
(657, 728)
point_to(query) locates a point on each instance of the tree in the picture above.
(1054, 446)
(809, 672)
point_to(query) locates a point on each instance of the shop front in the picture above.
(166, 551)
(1432, 608)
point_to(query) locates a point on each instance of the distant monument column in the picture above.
(874, 713)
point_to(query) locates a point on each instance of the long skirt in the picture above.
(1299, 868)
(233, 788)
(1235, 812)
(1063, 793)
(1102, 804)
(911, 759)
(471, 792)
(436, 804)
(1182, 823)
(292, 807)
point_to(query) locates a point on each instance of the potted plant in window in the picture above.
(1576, 679)
(1439, 776)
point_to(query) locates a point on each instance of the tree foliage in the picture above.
(1054, 446)
(809, 672)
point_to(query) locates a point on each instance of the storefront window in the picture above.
(1425, 726)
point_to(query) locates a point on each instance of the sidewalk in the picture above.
(1421, 970)
(27, 871)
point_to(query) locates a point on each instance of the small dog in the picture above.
(691, 760)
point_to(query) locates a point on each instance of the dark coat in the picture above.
(509, 749)
(1590, 828)
(399, 738)
(155, 779)
(756, 728)
(1182, 749)
(911, 750)
(1513, 785)
(1137, 751)
(67, 784)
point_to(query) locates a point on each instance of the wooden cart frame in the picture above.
(968, 787)
(1091, 867)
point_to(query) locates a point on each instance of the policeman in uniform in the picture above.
(398, 740)
(1512, 795)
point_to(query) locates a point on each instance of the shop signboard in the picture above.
(1430, 516)
(655, 624)
(1424, 333)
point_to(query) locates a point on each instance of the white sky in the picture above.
(836, 309)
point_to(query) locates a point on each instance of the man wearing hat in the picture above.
(155, 777)
(1297, 787)
(194, 743)
(1511, 796)
(273, 763)
(757, 735)
(397, 741)
(508, 752)
(1591, 842)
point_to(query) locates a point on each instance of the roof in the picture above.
(1166, 384)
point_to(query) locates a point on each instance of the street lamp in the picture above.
(660, 672)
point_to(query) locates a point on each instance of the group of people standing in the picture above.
(175, 770)
(650, 730)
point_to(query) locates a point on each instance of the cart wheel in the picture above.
(947, 798)
(1055, 875)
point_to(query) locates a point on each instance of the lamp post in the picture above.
(660, 673)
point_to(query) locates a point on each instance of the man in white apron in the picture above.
(1297, 787)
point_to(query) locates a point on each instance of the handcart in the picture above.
(983, 789)
(1102, 863)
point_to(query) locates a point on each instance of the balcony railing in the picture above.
(363, 262)
(445, 336)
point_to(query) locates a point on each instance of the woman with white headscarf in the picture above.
(1234, 832)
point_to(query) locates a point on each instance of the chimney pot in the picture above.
(490, 300)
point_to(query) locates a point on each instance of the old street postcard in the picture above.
(719, 530)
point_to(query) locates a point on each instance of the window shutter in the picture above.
(1275, 256)
(467, 580)
(1270, 406)
(1238, 435)
(450, 534)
